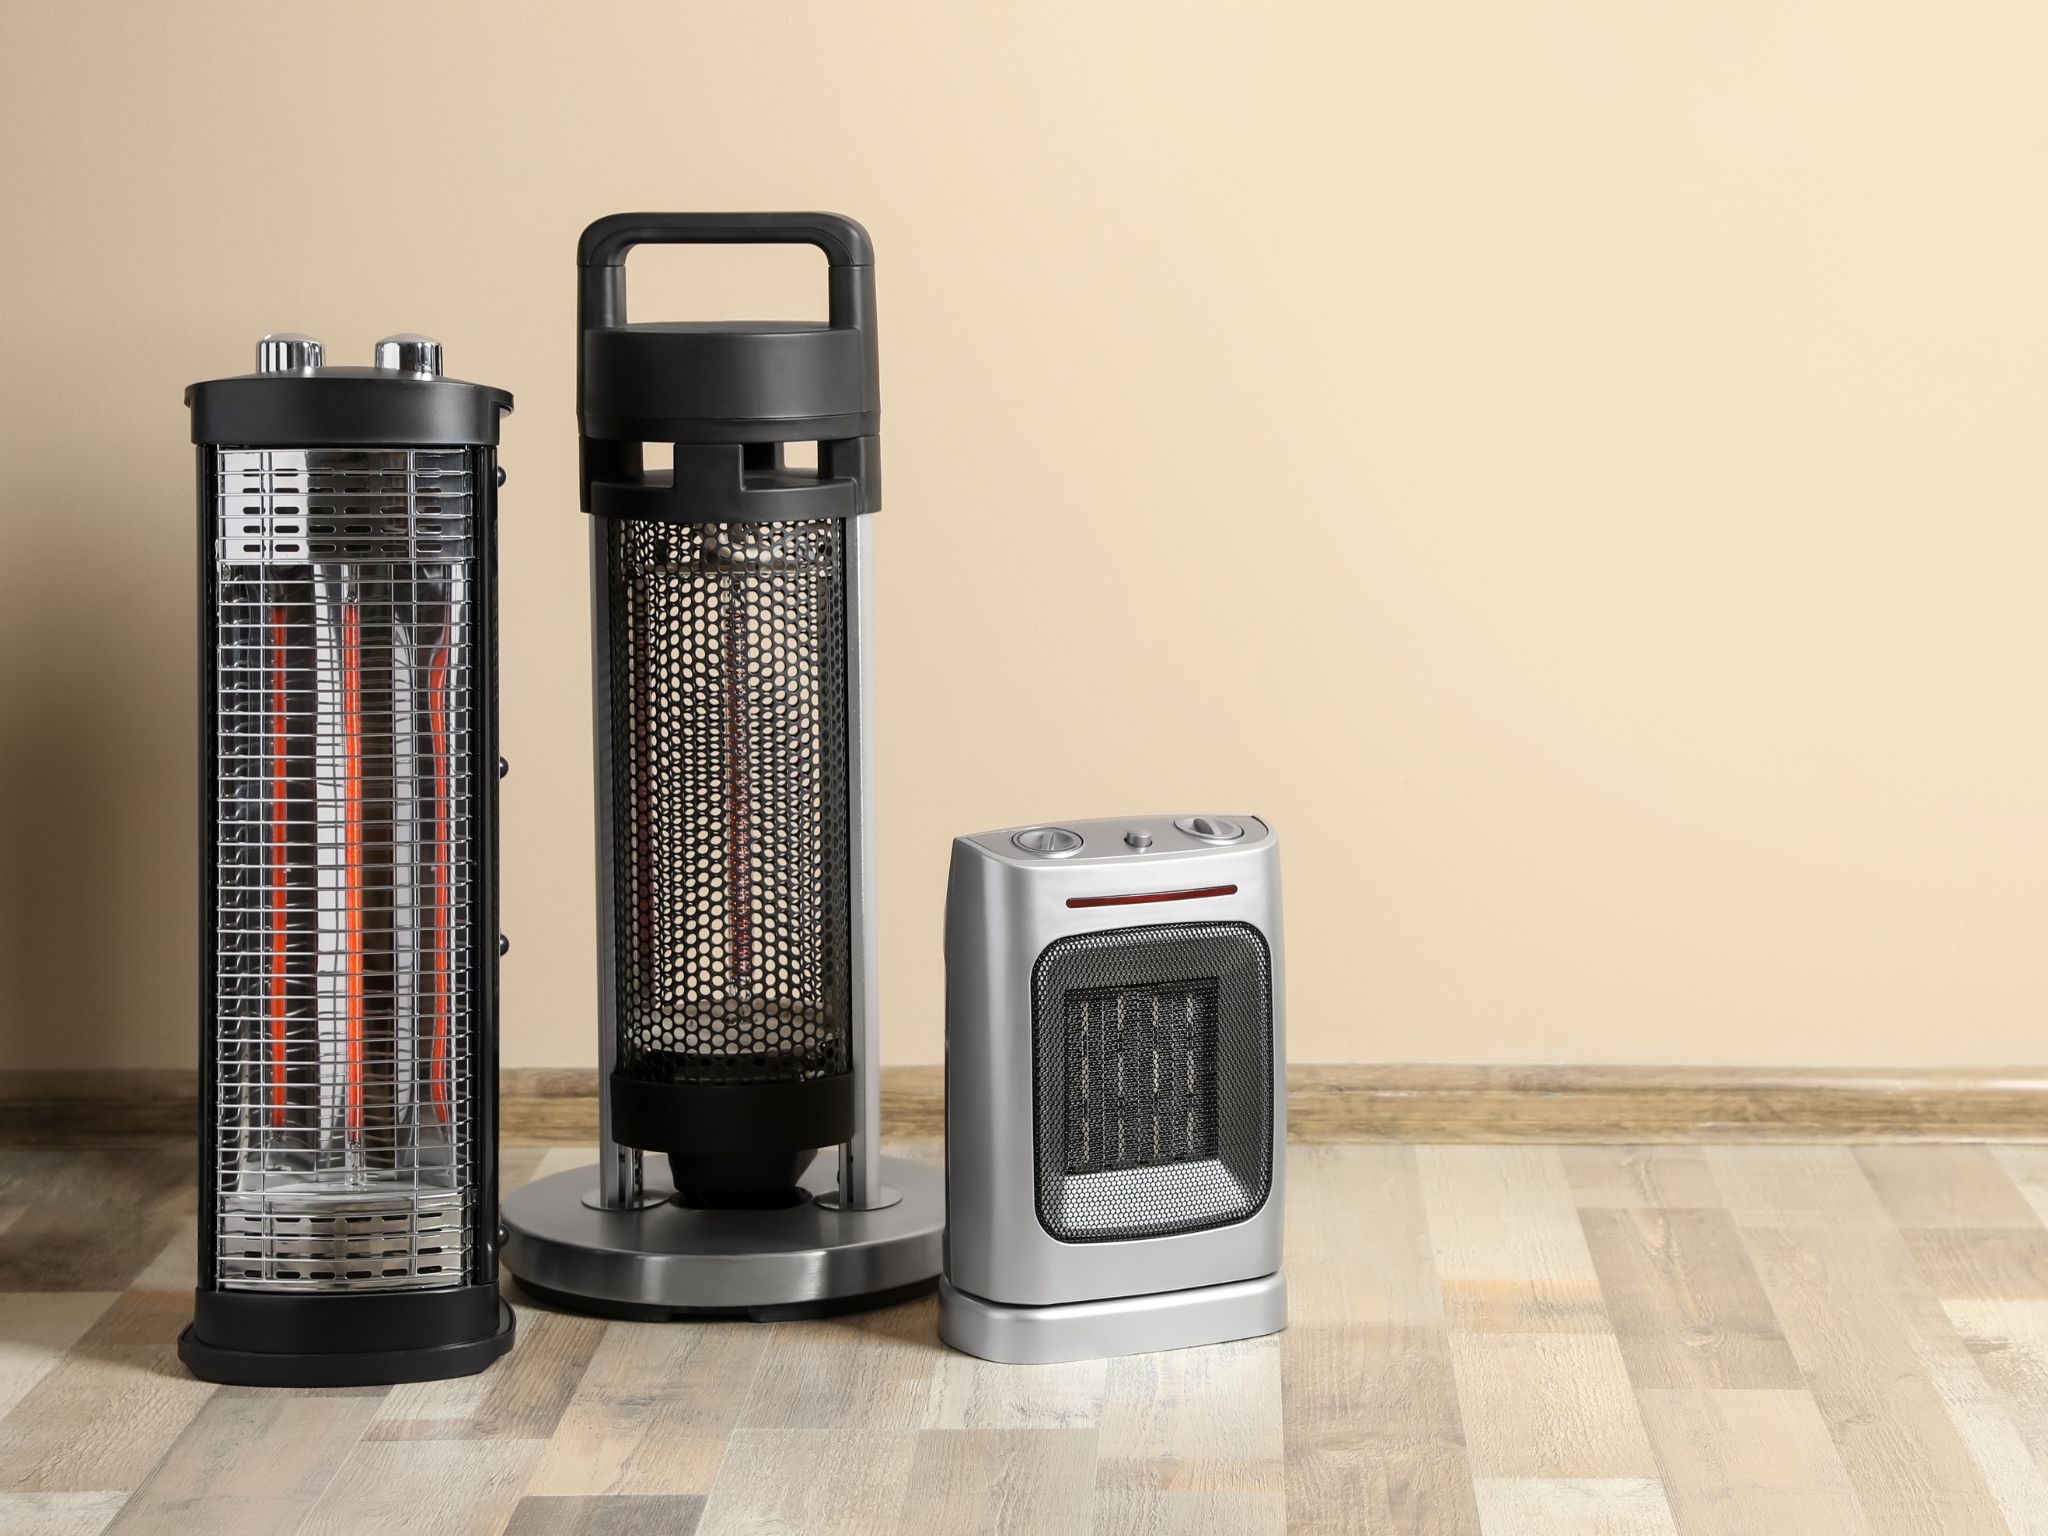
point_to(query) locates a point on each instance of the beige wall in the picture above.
(1577, 468)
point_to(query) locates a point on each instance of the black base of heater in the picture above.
(364, 1340)
(789, 1312)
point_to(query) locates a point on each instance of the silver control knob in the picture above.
(1048, 842)
(1138, 837)
(410, 353)
(1211, 829)
(288, 352)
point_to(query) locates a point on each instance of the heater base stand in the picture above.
(1123, 1325)
(344, 1368)
(668, 1261)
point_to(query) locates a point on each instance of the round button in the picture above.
(1138, 837)
(1211, 829)
(1048, 842)
(409, 352)
(288, 352)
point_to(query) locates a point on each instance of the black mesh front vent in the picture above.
(1153, 1092)
(1141, 1075)
(730, 800)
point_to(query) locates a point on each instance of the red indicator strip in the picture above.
(1149, 896)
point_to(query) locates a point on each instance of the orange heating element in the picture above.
(444, 912)
(278, 869)
(352, 852)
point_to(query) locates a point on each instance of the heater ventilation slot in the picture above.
(1141, 1076)
(346, 960)
(728, 758)
(1154, 1080)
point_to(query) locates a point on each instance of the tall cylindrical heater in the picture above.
(735, 830)
(349, 944)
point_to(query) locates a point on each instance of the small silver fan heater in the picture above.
(1115, 1093)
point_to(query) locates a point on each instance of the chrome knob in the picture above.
(288, 352)
(410, 353)
(1048, 842)
(1211, 829)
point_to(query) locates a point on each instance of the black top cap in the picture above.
(727, 393)
(318, 407)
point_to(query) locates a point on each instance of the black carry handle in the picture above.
(601, 256)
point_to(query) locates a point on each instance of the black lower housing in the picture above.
(732, 1145)
(359, 1339)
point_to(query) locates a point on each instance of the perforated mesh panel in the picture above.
(1153, 1089)
(730, 791)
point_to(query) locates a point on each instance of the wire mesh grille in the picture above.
(345, 637)
(731, 857)
(1153, 1088)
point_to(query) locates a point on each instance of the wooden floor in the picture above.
(1737, 1340)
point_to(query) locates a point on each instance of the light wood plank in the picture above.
(1750, 1463)
(1373, 1437)
(653, 1410)
(1621, 1506)
(822, 1482)
(432, 1487)
(1359, 1248)
(869, 1370)
(1000, 1480)
(149, 1182)
(58, 1514)
(175, 1266)
(968, 1393)
(110, 1408)
(561, 1159)
(517, 1166)
(1981, 1263)
(2008, 1341)
(2016, 1481)
(1549, 1405)
(520, 1397)
(1509, 1252)
(626, 1514)
(1678, 1178)
(1944, 1187)
(1796, 1186)
(930, 1151)
(36, 1328)
(58, 1247)
(1173, 1512)
(2027, 1167)
(249, 1464)
(1194, 1419)
(1867, 1334)
(1686, 1305)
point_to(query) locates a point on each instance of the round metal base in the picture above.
(666, 1261)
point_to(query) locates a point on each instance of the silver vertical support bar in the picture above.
(860, 1160)
(618, 1168)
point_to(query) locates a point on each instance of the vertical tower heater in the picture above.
(348, 772)
(730, 624)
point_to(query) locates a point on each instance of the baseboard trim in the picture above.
(1420, 1103)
